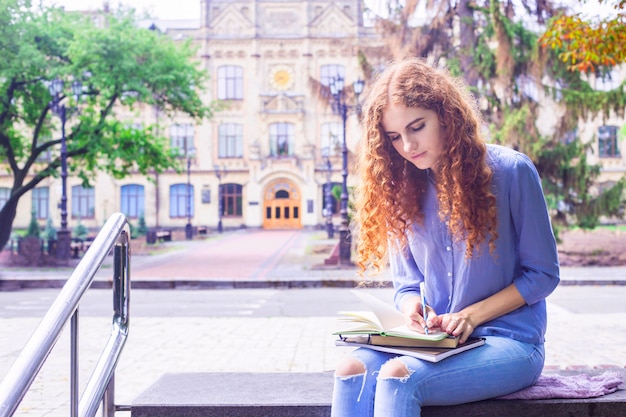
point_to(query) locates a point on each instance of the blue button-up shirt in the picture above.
(525, 254)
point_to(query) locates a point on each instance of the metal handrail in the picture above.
(115, 234)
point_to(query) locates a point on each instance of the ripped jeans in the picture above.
(500, 367)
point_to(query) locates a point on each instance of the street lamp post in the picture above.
(58, 108)
(188, 226)
(219, 172)
(329, 200)
(342, 108)
(189, 152)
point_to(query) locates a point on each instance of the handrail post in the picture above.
(17, 381)
(74, 364)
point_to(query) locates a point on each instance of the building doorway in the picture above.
(281, 206)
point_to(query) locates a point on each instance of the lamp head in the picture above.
(55, 87)
(358, 86)
(339, 83)
(77, 89)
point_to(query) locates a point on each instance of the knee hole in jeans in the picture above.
(350, 367)
(394, 368)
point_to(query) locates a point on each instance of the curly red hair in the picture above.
(389, 196)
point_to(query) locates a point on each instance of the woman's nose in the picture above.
(409, 145)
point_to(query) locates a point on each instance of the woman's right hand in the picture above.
(412, 311)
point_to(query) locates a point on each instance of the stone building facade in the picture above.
(266, 159)
(269, 157)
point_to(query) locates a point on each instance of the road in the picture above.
(313, 302)
(266, 330)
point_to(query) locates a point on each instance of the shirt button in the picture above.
(448, 248)
(449, 274)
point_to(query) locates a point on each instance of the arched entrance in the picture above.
(281, 206)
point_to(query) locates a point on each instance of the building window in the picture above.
(5, 193)
(281, 139)
(231, 200)
(40, 202)
(570, 136)
(230, 82)
(331, 139)
(181, 138)
(83, 202)
(607, 142)
(230, 140)
(331, 72)
(132, 204)
(181, 196)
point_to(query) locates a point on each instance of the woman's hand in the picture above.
(412, 311)
(455, 324)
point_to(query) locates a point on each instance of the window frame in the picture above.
(608, 138)
(5, 195)
(132, 200)
(230, 82)
(327, 130)
(182, 137)
(330, 72)
(280, 131)
(179, 193)
(230, 140)
(83, 202)
(231, 195)
(41, 203)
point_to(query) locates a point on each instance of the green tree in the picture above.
(495, 46)
(33, 226)
(123, 69)
(142, 228)
(50, 232)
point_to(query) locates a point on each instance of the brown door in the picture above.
(281, 206)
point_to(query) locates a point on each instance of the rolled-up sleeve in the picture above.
(538, 256)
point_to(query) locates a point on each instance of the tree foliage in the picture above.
(496, 46)
(123, 69)
(588, 46)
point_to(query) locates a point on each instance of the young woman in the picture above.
(469, 220)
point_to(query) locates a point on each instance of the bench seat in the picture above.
(309, 395)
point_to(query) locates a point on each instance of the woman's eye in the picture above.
(417, 128)
(393, 137)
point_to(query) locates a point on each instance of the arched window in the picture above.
(181, 200)
(132, 200)
(83, 202)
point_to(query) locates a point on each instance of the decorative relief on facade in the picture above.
(271, 191)
(281, 77)
(280, 21)
(282, 103)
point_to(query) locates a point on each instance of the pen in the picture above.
(423, 294)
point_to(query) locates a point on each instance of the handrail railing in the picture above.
(115, 234)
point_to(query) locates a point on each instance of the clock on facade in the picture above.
(281, 77)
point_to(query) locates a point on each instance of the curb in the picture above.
(200, 284)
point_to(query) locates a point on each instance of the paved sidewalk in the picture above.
(159, 345)
(250, 258)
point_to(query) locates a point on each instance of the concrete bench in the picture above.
(309, 395)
